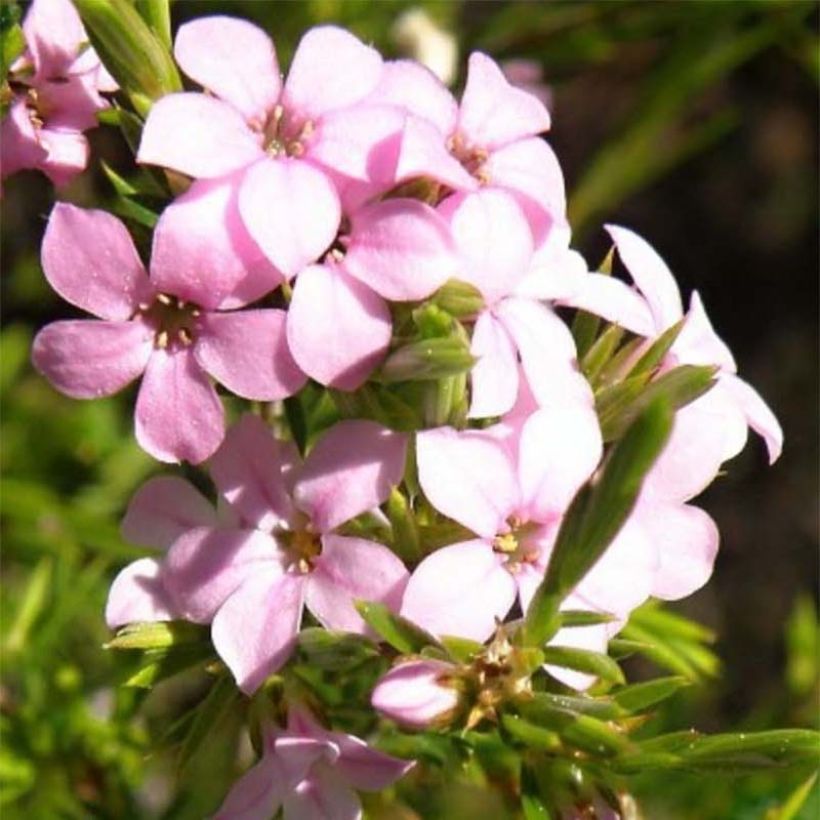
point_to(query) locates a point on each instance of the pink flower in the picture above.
(732, 405)
(295, 139)
(310, 772)
(493, 134)
(495, 246)
(170, 327)
(251, 578)
(57, 85)
(417, 694)
(339, 325)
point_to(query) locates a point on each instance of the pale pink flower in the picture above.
(495, 247)
(310, 773)
(417, 693)
(56, 84)
(250, 579)
(493, 134)
(732, 404)
(171, 327)
(339, 324)
(296, 139)
(528, 75)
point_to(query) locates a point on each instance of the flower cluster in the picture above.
(356, 233)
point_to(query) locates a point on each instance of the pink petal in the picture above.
(349, 570)
(257, 795)
(495, 375)
(67, 155)
(529, 169)
(757, 412)
(559, 449)
(468, 477)
(254, 631)
(247, 351)
(291, 209)
(338, 329)
(233, 59)
(87, 359)
(322, 796)
(351, 469)
(331, 69)
(21, 146)
(202, 251)
(555, 270)
(178, 416)
(686, 539)
(54, 35)
(493, 238)
(137, 595)
(365, 768)
(401, 249)
(204, 566)
(247, 470)
(164, 508)
(547, 352)
(614, 301)
(90, 260)
(197, 135)
(697, 342)
(651, 275)
(493, 112)
(414, 88)
(459, 590)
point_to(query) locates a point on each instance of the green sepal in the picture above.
(426, 360)
(400, 633)
(405, 530)
(458, 298)
(639, 696)
(530, 734)
(584, 660)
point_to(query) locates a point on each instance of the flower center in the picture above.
(282, 137)
(473, 158)
(516, 545)
(175, 321)
(304, 547)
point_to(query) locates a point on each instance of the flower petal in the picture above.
(247, 470)
(292, 211)
(197, 135)
(255, 629)
(54, 35)
(757, 412)
(233, 59)
(559, 449)
(651, 275)
(697, 342)
(247, 351)
(90, 260)
(493, 112)
(351, 469)
(353, 569)
(493, 239)
(401, 249)
(322, 796)
(365, 768)
(67, 155)
(137, 594)
(459, 590)
(202, 251)
(258, 794)
(469, 477)
(338, 329)
(205, 565)
(87, 359)
(21, 146)
(164, 508)
(331, 69)
(178, 416)
(495, 375)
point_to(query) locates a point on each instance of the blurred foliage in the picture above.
(76, 745)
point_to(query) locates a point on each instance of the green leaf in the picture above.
(132, 210)
(157, 14)
(12, 45)
(639, 696)
(602, 708)
(158, 635)
(161, 664)
(795, 802)
(601, 352)
(595, 517)
(584, 660)
(400, 633)
(577, 617)
(35, 599)
(653, 357)
(130, 50)
(405, 530)
(331, 650)
(426, 360)
(461, 650)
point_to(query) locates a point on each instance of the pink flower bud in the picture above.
(417, 694)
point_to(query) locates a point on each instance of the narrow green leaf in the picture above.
(405, 530)
(602, 708)
(141, 185)
(576, 617)
(400, 633)
(158, 635)
(132, 210)
(794, 803)
(461, 650)
(595, 517)
(650, 360)
(584, 660)
(601, 352)
(331, 650)
(620, 648)
(161, 664)
(157, 14)
(35, 599)
(639, 696)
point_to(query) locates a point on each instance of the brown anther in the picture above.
(185, 336)
(303, 565)
(296, 149)
(162, 339)
(483, 176)
(196, 313)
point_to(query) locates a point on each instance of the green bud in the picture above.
(426, 360)
(460, 299)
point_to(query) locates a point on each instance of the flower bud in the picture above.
(418, 694)
(429, 359)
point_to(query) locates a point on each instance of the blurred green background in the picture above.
(695, 123)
